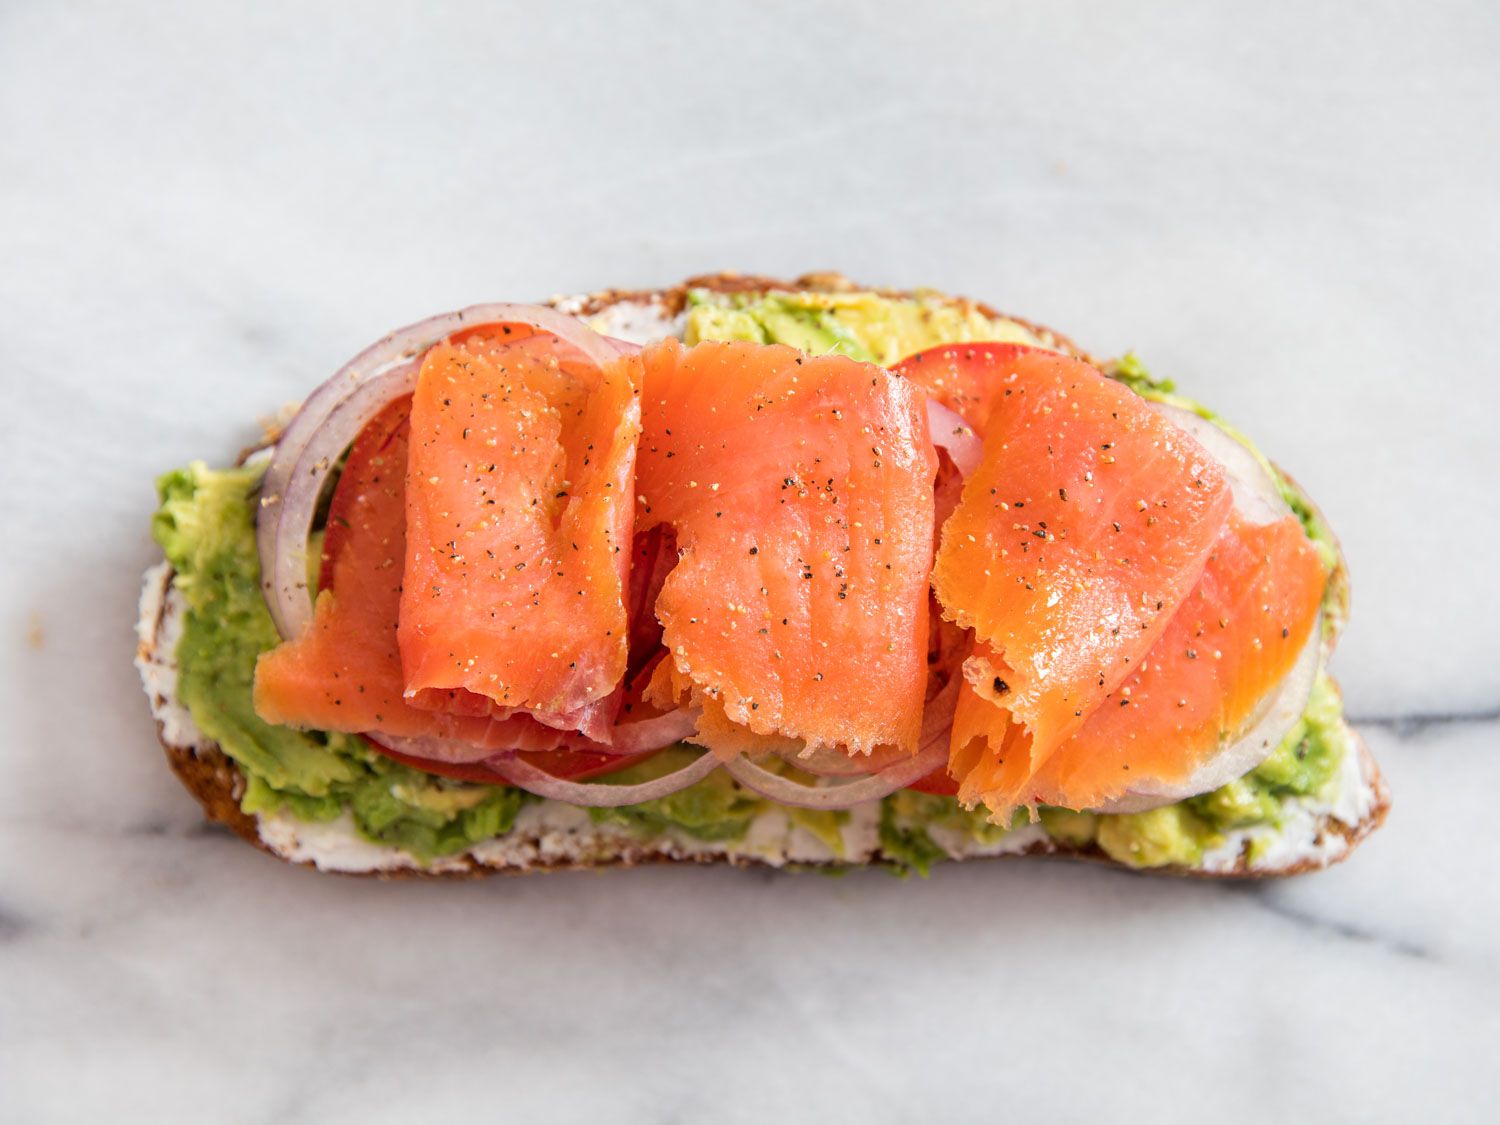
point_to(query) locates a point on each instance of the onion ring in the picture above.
(1257, 498)
(1277, 715)
(284, 572)
(599, 795)
(451, 751)
(829, 761)
(957, 437)
(1255, 492)
(932, 753)
(285, 516)
(786, 791)
(639, 737)
(653, 734)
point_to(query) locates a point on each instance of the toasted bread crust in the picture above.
(673, 300)
(217, 784)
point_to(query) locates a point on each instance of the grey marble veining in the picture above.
(205, 208)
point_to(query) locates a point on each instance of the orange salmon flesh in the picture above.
(772, 539)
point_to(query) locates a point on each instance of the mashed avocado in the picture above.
(716, 808)
(1154, 839)
(1304, 764)
(908, 819)
(205, 525)
(864, 326)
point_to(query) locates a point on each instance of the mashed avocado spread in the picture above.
(205, 525)
(863, 326)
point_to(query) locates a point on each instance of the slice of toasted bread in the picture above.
(548, 836)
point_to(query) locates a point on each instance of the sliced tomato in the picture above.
(568, 765)
(458, 771)
(938, 783)
(370, 444)
(495, 332)
(580, 765)
(963, 377)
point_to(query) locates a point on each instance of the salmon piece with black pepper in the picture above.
(800, 491)
(1202, 684)
(518, 528)
(344, 673)
(1088, 522)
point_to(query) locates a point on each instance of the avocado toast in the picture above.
(338, 802)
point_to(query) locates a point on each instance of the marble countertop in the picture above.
(204, 209)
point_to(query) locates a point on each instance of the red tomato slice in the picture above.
(458, 771)
(963, 377)
(498, 332)
(938, 783)
(370, 444)
(568, 765)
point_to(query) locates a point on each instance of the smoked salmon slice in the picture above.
(1089, 520)
(749, 531)
(800, 491)
(1233, 640)
(518, 525)
(344, 672)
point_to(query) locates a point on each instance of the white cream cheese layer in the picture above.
(157, 633)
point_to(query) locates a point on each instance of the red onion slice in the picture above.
(396, 349)
(653, 734)
(932, 753)
(637, 737)
(599, 795)
(952, 433)
(283, 538)
(506, 738)
(786, 791)
(829, 761)
(286, 510)
(1255, 492)
(1262, 734)
(1257, 498)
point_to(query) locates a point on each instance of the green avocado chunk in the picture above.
(864, 326)
(907, 819)
(1170, 835)
(716, 808)
(206, 526)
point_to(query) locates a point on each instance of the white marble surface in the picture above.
(203, 209)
